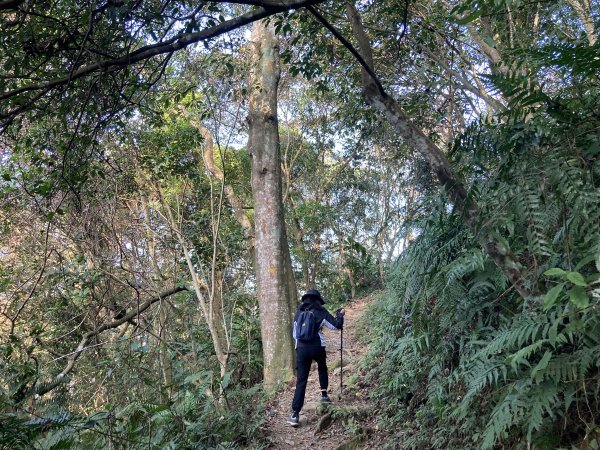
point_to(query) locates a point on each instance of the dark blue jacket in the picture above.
(324, 319)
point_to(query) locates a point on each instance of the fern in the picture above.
(517, 370)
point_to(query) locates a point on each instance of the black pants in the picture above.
(304, 358)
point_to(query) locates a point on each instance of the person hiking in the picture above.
(309, 321)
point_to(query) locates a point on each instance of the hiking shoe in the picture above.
(325, 398)
(294, 419)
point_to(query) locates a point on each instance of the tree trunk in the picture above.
(207, 289)
(298, 237)
(583, 8)
(273, 264)
(236, 204)
(165, 362)
(315, 259)
(163, 353)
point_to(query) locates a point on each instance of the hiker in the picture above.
(310, 346)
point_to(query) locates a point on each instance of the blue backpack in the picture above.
(306, 326)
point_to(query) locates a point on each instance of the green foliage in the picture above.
(203, 410)
(192, 420)
(459, 359)
(151, 382)
(456, 354)
(15, 432)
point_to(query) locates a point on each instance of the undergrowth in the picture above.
(192, 420)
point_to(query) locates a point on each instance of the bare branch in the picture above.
(44, 388)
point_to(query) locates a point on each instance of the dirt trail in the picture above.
(352, 425)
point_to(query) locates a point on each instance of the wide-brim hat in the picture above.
(313, 293)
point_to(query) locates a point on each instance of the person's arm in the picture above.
(294, 327)
(334, 323)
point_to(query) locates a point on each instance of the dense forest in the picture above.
(174, 173)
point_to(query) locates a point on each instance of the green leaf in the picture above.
(541, 365)
(584, 261)
(576, 278)
(593, 278)
(470, 18)
(8, 350)
(195, 377)
(43, 189)
(579, 297)
(555, 271)
(226, 380)
(552, 295)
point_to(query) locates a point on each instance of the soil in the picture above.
(347, 423)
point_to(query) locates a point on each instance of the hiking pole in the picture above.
(341, 360)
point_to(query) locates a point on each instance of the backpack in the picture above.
(306, 326)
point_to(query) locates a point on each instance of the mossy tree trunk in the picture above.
(275, 285)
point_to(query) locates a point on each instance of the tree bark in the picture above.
(273, 265)
(583, 8)
(298, 237)
(163, 353)
(416, 139)
(346, 268)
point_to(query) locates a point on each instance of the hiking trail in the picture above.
(346, 424)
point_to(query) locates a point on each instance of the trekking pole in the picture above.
(341, 360)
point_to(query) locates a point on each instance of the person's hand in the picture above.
(342, 312)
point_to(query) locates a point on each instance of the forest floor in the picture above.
(346, 424)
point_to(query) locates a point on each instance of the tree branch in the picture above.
(171, 45)
(41, 389)
(10, 4)
(448, 179)
(366, 64)
(235, 203)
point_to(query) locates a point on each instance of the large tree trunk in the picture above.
(416, 139)
(273, 265)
